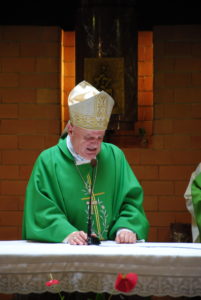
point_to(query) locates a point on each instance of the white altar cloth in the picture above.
(172, 269)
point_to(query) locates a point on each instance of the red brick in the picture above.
(196, 78)
(51, 141)
(163, 126)
(164, 95)
(196, 111)
(186, 126)
(68, 38)
(51, 33)
(49, 80)
(8, 233)
(9, 80)
(177, 111)
(188, 94)
(157, 142)
(69, 83)
(8, 142)
(183, 217)
(162, 66)
(174, 172)
(177, 142)
(155, 157)
(9, 172)
(65, 113)
(8, 111)
(195, 142)
(145, 83)
(158, 111)
(18, 64)
(40, 49)
(158, 187)
(152, 236)
(21, 204)
(196, 48)
(187, 64)
(173, 79)
(48, 96)
(25, 171)
(19, 157)
(146, 172)
(150, 203)
(145, 68)
(145, 53)
(9, 127)
(49, 64)
(69, 69)
(187, 157)
(180, 187)
(163, 235)
(16, 95)
(9, 202)
(30, 127)
(160, 219)
(69, 54)
(145, 38)
(13, 187)
(178, 48)
(159, 48)
(9, 48)
(32, 33)
(145, 98)
(171, 203)
(39, 111)
(145, 113)
(31, 142)
(132, 155)
(10, 218)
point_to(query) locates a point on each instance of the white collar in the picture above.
(79, 160)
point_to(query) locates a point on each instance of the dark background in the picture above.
(63, 13)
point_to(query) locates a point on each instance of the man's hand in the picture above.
(125, 236)
(77, 238)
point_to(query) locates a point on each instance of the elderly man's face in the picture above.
(86, 142)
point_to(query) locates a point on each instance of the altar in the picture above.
(172, 269)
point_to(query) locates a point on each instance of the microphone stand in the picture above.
(91, 239)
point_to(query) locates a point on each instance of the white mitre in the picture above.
(89, 108)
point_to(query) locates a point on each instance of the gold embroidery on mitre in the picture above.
(97, 118)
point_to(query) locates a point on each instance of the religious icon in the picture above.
(107, 74)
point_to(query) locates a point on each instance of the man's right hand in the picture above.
(77, 238)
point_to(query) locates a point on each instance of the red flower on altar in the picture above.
(52, 282)
(126, 282)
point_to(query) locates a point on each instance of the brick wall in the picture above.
(174, 151)
(68, 70)
(29, 112)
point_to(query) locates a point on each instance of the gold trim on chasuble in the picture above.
(94, 210)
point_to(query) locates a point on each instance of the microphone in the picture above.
(91, 239)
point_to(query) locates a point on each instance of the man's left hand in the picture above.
(125, 236)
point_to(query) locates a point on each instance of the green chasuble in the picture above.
(57, 196)
(196, 199)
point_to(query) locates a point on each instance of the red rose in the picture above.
(52, 282)
(125, 283)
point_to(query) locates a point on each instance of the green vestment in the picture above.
(196, 199)
(57, 199)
